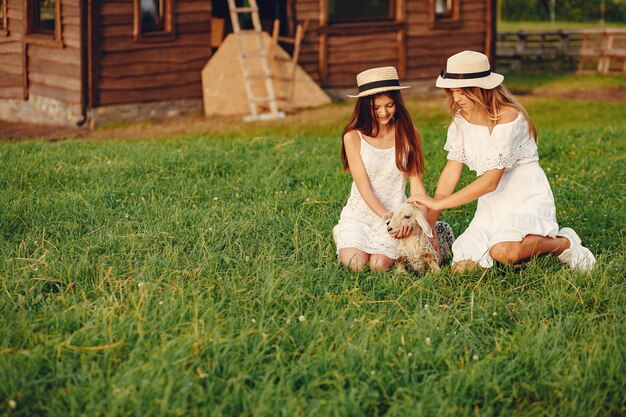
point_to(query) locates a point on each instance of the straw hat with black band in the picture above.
(468, 69)
(377, 80)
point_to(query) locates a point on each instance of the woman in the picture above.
(493, 135)
(380, 149)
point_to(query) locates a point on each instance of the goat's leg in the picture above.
(400, 268)
(432, 262)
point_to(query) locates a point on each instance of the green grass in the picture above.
(507, 26)
(564, 82)
(196, 275)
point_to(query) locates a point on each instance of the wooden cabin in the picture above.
(76, 61)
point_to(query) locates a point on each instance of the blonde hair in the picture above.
(491, 102)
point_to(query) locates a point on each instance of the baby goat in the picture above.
(415, 251)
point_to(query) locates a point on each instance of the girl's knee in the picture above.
(354, 260)
(380, 263)
(355, 264)
(506, 252)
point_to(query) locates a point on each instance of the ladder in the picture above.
(247, 56)
(291, 61)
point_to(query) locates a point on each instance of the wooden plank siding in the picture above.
(349, 55)
(143, 70)
(309, 49)
(102, 60)
(428, 48)
(54, 67)
(411, 45)
(11, 66)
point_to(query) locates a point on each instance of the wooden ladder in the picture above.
(290, 78)
(256, 102)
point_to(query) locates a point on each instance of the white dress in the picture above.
(359, 227)
(521, 205)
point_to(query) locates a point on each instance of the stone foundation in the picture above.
(143, 111)
(40, 110)
(47, 111)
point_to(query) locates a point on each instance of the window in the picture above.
(44, 16)
(444, 13)
(340, 11)
(443, 9)
(152, 18)
(44, 22)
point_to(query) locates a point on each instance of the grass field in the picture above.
(564, 82)
(195, 275)
(509, 26)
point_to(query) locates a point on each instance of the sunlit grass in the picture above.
(558, 83)
(195, 274)
(507, 26)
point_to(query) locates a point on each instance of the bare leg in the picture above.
(354, 258)
(531, 245)
(380, 263)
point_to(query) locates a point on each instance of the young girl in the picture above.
(380, 149)
(493, 135)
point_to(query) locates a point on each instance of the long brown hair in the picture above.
(491, 102)
(409, 156)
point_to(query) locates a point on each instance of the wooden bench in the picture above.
(587, 51)
(613, 52)
(590, 51)
(519, 48)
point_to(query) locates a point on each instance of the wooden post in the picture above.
(93, 50)
(604, 63)
(25, 26)
(323, 42)
(136, 20)
(217, 31)
(563, 54)
(490, 31)
(58, 20)
(401, 38)
(520, 49)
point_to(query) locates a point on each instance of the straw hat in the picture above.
(378, 80)
(468, 69)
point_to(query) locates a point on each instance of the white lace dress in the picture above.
(521, 205)
(359, 227)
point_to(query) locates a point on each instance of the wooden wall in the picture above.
(38, 64)
(11, 72)
(127, 70)
(130, 71)
(428, 49)
(54, 68)
(309, 49)
(333, 55)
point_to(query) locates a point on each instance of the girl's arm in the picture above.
(482, 185)
(416, 187)
(352, 143)
(448, 180)
(446, 185)
(416, 183)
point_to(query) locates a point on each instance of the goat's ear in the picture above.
(421, 221)
(387, 216)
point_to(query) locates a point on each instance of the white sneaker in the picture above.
(576, 256)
